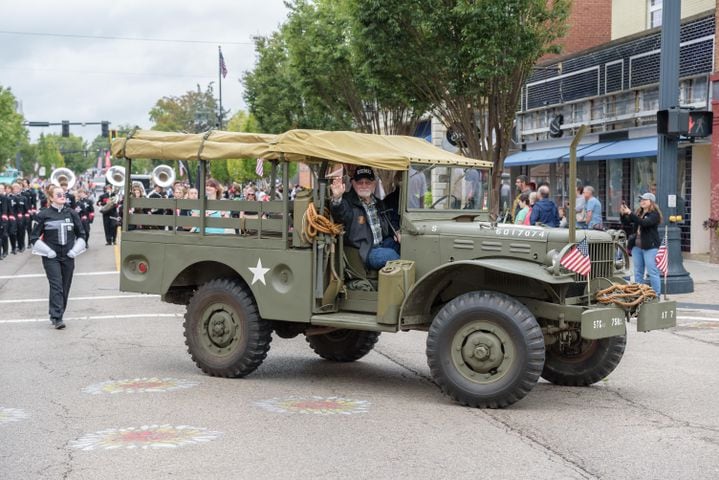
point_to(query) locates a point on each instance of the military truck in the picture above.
(498, 307)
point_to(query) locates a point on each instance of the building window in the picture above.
(655, 13)
(614, 188)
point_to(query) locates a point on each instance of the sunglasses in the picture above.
(58, 194)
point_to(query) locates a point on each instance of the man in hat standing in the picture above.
(364, 217)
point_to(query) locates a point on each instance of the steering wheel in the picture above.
(455, 204)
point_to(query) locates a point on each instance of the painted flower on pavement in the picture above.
(146, 436)
(8, 415)
(314, 405)
(139, 385)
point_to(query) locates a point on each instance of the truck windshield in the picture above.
(448, 188)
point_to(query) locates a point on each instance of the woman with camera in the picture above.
(644, 239)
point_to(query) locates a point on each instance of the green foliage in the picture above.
(12, 132)
(48, 154)
(195, 111)
(75, 153)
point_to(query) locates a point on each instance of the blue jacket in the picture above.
(545, 212)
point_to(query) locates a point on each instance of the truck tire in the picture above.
(485, 349)
(594, 360)
(224, 333)
(343, 345)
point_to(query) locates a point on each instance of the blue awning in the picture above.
(638, 147)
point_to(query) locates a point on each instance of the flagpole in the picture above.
(666, 270)
(219, 76)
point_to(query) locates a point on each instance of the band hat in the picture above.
(648, 196)
(363, 172)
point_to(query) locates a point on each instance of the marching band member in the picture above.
(18, 209)
(4, 221)
(85, 210)
(60, 227)
(108, 206)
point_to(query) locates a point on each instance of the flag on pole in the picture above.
(662, 257)
(108, 163)
(99, 162)
(259, 168)
(223, 67)
(577, 259)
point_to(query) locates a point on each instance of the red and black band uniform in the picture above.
(58, 228)
(16, 216)
(109, 218)
(4, 225)
(31, 215)
(86, 210)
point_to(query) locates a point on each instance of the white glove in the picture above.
(78, 248)
(43, 249)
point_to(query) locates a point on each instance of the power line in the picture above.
(132, 39)
(95, 72)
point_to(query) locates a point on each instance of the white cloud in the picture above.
(89, 80)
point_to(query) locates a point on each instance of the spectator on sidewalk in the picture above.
(544, 211)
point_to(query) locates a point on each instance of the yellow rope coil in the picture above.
(626, 295)
(314, 223)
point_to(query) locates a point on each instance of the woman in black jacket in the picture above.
(644, 240)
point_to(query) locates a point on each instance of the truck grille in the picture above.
(602, 256)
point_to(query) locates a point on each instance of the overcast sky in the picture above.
(59, 74)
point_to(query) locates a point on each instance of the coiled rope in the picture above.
(626, 296)
(314, 223)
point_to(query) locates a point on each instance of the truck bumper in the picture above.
(657, 315)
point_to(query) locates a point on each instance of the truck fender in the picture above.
(417, 304)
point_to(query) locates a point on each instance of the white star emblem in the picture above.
(258, 272)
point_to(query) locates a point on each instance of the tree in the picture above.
(194, 111)
(74, 152)
(48, 154)
(12, 132)
(467, 59)
(274, 95)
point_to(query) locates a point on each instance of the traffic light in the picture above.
(113, 135)
(105, 126)
(684, 122)
(66, 128)
(700, 123)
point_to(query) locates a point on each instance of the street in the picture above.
(116, 395)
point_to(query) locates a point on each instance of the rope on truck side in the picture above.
(314, 223)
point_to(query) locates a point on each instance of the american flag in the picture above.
(223, 67)
(108, 162)
(577, 259)
(260, 168)
(662, 257)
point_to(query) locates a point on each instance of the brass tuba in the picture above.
(63, 177)
(163, 176)
(115, 176)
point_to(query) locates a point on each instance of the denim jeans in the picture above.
(646, 259)
(379, 256)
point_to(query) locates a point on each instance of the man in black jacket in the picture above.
(18, 209)
(59, 227)
(364, 217)
(109, 214)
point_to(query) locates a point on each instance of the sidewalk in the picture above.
(706, 286)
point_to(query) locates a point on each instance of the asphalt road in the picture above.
(115, 395)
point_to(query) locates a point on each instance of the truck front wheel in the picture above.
(584, 363)
(224, 333)
(343, 345)
(485, 349)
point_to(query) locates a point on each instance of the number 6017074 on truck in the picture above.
(498, 307)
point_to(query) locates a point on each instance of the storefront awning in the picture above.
(638, 147)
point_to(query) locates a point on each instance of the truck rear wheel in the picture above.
(485, 349)
(588, 362)
(343, 345)
(224, 333)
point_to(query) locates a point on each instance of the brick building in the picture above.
(613, 88)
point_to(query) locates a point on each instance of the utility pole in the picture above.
(678, 280)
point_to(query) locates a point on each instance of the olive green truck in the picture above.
(498, 307)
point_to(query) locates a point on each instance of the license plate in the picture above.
(603, 323)
(657, 315)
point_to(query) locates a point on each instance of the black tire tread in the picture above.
(610, 353)
(259, 331)
(360, 344)
(505, 305)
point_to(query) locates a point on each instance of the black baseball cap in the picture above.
(363, 172)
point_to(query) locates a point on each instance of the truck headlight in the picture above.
(552, 259)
